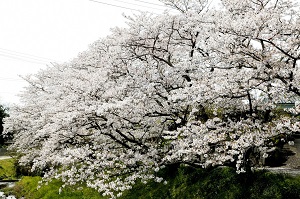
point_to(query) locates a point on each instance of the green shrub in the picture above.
(182, 182)
(218, 183)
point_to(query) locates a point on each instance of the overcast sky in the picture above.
(35, 33)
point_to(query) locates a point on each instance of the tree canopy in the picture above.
(3, 114)
(196, 88)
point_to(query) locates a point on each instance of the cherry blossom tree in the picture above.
(3, 114)
(198, 88)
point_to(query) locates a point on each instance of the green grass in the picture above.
(183, 183)
(7, 169)
(27, 187)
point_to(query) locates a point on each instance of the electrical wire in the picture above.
(11, 79)
(22, 59)
(10, 93)
(118, 6)
(115, 5)
(10, 55)
(137, 5)
(150, 3)
(25, 54)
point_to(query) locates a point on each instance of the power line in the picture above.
(10, 93)
(150, 3)
(12, 55)
(115, 5)
(22, 59)
(137, 5)
(11, 79)
(25, 54)
(118, 6)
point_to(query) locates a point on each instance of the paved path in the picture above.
(283, 170)
(293, 161)
(5, 157)
(292, 165)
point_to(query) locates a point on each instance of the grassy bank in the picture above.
(27, 188)
(220, 183)
(7, 169)
(183, 182)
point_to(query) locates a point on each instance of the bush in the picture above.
(218, 183)
(182, 182)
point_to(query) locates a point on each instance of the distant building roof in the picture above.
(290, 99)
